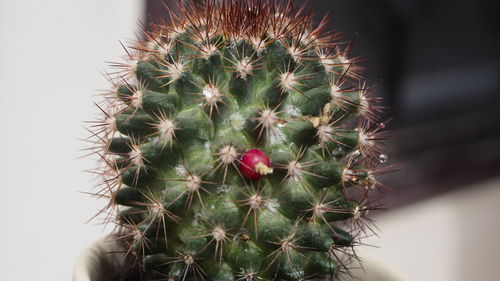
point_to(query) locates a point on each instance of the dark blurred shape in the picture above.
(437, 64)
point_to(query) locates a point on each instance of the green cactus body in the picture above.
(197, 95)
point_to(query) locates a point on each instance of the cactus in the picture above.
(239, 142)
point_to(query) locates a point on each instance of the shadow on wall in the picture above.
(479, 250)
(452, 237)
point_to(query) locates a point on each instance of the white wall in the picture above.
(453, 237)
(51, 56)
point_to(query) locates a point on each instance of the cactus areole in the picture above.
(255, 164)
(239, 141)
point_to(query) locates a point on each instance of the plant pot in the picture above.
(103, 261)
(375, 270)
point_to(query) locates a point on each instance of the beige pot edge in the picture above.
(96, 264)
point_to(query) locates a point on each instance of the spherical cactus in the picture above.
(239, 142)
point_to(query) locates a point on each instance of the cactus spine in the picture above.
(239, 142)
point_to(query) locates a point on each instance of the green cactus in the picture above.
(239, 142)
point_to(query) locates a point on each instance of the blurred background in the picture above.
(436, 63)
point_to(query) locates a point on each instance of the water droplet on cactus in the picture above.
(383, 158)
(180, 170)
(223, 188)
(338, 152)
(356, 153)
(381, 125)
(207, 145)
